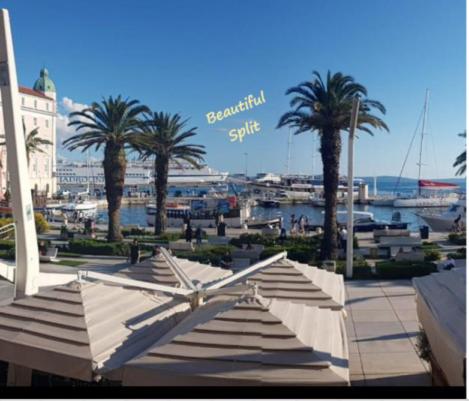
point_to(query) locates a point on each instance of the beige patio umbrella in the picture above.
(247, 340)
(168, 270)
(441, 309)
(83, 329)
(285, 279)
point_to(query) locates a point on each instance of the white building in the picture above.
(39, 110)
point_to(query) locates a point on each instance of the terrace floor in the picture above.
(382, 328)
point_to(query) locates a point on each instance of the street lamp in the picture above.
(353, 126)
(246, 165)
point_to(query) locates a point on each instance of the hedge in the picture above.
(404, 269)
(98, 247)
(457, 238)
(361, 269)
(214, 256)
(459, 254)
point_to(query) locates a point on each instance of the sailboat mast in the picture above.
(289, 151)
(425, 110)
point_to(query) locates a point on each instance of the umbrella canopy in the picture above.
(83, 329)
(288, 280)
(248, 340)
(441, 308)
(160, 270)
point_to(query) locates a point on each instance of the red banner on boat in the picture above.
(427, 184)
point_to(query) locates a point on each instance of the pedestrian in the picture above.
(449, 263)
(302, 225)
(134, 252)
(292, 221)
(343, 239)
(188, 232)
(283, 236)
(198, 235)
(156, 251)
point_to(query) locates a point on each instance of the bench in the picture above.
(240, 263)
(216, 240)
(399, 244)
(377, 234)
(413, 256)
(50, 256)
(252, 254)
(181, 245)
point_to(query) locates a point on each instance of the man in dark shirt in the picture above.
(134, 252)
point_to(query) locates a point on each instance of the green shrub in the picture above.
(457, 238)
(98, 247)
(214, 255)
(41, 223)
(361, 269)
(404, 269)
(6, 244)
(432, 254)
(459, 254)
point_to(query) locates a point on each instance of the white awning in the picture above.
(248, 340)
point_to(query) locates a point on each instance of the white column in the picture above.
(353, 125)
(27, 255)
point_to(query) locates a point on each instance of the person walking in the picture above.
(198, 235)
(189, 232)
(134, 252)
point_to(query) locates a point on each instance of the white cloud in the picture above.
(66, 106)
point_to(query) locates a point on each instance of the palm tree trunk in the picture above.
(330, 154)
(161, 185)
(114, 165)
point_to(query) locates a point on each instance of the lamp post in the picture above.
(353, 126)
(246, 164)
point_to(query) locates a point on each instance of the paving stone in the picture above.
(391, 363)
(419, 379)
(407, 315)
(402, 301)
(365, 315)
(355, 365)
(385, 346)
(352, 346)
(357, 380)
(379, 329)
(368, 303)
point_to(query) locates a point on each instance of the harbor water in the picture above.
(136, 215)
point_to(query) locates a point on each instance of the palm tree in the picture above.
(33, 143)
(162, 136)
(110, 124)
(325, 108)
(461, 159)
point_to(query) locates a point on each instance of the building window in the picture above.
(47, 106)
(35, 104)
(47, 123)
(22, 101)
(35, 121)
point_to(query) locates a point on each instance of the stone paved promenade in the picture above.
(382, 327)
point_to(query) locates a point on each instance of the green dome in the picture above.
(44, 83)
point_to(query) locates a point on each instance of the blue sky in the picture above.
(193, 57)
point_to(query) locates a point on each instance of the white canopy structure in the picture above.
(165, 269)
(84, 329)
(441, 308)
(247, 340)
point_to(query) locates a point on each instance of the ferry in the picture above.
(139, 176)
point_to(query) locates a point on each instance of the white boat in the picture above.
(77, 210)
(441, 310)
(446, 221)
(383, 201)
(426, 201)
(203, 212)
